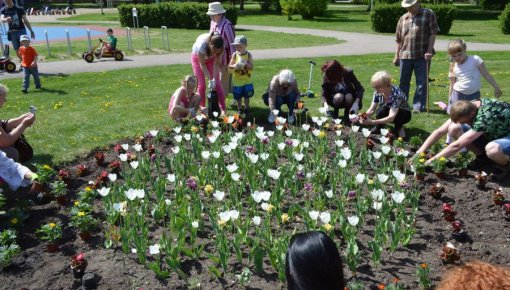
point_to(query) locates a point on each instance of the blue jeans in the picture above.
(14, 38)
(289, 100)
(407, 66)
(27, 71)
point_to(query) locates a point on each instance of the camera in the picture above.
(33, 109)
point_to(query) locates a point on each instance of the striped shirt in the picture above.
(413, 33)
(226, 30)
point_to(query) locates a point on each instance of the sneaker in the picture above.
(270, 118)
(291, 118)
(499, 173)
(246, 111)
(38, 87)
(24, 91)
(416, 108)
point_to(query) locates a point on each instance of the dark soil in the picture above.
(487, 239)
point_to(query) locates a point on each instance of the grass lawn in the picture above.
(181, 40)
(471, 23)
(80, 112)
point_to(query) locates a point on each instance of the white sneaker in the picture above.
(270, 118)
(291, 118)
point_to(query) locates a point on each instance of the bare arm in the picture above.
(8, 139)
(203, 67)
(430, 49)
(27, 24)
(249, 64)
(435, 136)
(490, 79)
(371, 110)
(464, 140)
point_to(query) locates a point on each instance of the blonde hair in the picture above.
(190, 81)
(461, 109)
(3, 90)
(476, 275)
(382, 78)
(456, 46)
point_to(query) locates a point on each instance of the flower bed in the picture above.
(206, 204)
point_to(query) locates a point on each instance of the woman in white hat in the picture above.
(221, 25)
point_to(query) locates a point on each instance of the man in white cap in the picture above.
(224, 27)
(415, 36)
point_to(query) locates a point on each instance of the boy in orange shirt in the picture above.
(29, 64)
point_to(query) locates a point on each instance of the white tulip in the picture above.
(353, 220)
(313, 214)
(206, 155)
(384, 131)
(256, 220)
(377, 194)
(288, 133)
(235, 176)
(134, 164)
(125, 147)
(305, 127)
(382, 178)
(264, 156)
(177, 130)
(232, 167)
(329, 193)
(137, 147)
(377, 155)
(339, 143)
(355, 128)
(365, 132)
(154, 133)
(384, 140)
(346, 153)
(377, 205)
(219, 195)
(360, 177)
(385, 149)
(273, 173)
(178, 138)
(342, 163)
(216, 154)
(171, 178)
(104, 191)
(123, 157)
(194, 224)
(187, 136)
(112, 177)
(399, 176)
(176, 149)
(215, 124)
(398, 196)
(281, 146)
(298, 156)
(325, 217)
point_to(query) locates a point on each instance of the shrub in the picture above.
(268, 5)
(385, 17)
(306, 8)
(173, 15)
(504, 20)
(493, 4)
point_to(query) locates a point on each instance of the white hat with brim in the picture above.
(408, 3)
(215, 8)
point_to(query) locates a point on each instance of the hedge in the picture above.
(493, 4)
(384, 17)
(504, 20)
(172, 15)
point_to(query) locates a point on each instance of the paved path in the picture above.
(355, 44)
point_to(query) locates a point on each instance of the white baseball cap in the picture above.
(24, 37)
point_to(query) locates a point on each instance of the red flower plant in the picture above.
(498, 197)
(481, 178)
(506, 211)
(152, 149)
(78, 263)
(63, 174)
(81, 170)
(99, 158)
(115, 166)
(448, 212)
(118, 149)
(450, 254)
(370, 144)
(436, 190)
(457, 227)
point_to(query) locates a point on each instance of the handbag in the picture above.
(25, 151)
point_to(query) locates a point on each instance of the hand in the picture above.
(366, 121)
(428, 56)
(355, 107)
(239, 66)
(498, 92)
(34, 64)
(396, 61)
(28, 121)
(32, 34)
(8, 19)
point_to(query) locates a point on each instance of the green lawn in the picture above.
(181, 40)
(77, 113)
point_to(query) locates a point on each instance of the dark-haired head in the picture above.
(215, 44)
(313, 262)
(333, 71)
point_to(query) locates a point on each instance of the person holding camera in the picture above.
(12, 129)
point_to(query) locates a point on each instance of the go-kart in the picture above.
(5, 61)
(7, 65)
(88, 56)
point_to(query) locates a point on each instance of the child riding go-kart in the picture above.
(104, 49)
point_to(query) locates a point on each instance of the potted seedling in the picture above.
(78, 264)
(415, 142)
(448, 212)
(481, 179)
(439, 167)
(8, 247)
(498, 197)
(461, 162)
(50, 232)
(449, 254)
(85, 223)
(59, 190)
(435, 148)
(44, 175)
(418, 167)
(436, 190)
(81, 170)
(370, 144)
(101, 180)
(458, 229)
(506, 211)
(99, 156)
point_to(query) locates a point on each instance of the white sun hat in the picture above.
(408, 3)
(215, 8)
(286, 76)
